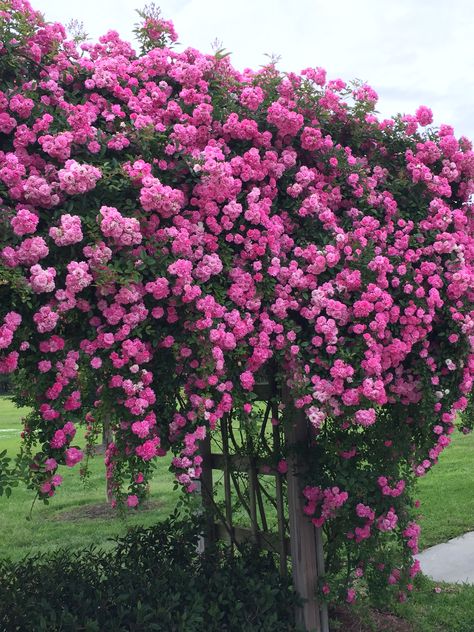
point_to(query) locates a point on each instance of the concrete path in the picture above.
(451, 562)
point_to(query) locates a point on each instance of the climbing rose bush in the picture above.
(171, 227)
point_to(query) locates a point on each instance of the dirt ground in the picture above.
(98, 511)
(346, 620)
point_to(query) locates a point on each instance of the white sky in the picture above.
(412, 52)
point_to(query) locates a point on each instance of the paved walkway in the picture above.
(451, 562)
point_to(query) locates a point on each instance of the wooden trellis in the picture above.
(272, 521)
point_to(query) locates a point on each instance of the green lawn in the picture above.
(78, 515)
(451, 610)
(447, 493)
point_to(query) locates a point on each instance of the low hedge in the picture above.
(152, 579)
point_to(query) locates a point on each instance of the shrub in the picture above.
(152, 579)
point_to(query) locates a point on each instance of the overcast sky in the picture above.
(412, 52)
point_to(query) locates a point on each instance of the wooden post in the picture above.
(227, 419)
(253, 483)
(302, 535)
(279, 496)
(206, 489)
(107, 438)
(321, 571)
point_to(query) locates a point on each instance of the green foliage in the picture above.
(153, 579)
(467, 416)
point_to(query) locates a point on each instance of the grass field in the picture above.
(78, 516)
(447, 494)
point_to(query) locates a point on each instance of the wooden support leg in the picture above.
(205, 488)
(321, 572)
(107, 438)
(302, 533)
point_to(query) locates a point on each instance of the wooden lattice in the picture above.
(256, 502)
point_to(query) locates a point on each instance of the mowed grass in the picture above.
(447, 494)
(450, 610)
(78, 515)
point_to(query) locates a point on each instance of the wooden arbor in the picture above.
(254, 499)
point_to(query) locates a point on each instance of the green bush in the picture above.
(152, 579)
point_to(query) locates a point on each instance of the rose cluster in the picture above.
(178, 226)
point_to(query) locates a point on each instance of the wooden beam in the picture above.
(265, 540)
(240, 463)
(264, 391)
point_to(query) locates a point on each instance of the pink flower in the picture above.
(78, 277)
(58, 440)
(351, 595)
(252, 97)
(76, 178)
(286, 121)
(424, 115)
(132, 500)
(45, 487)
(45, 319)
(247, 380)
(388, 521)
(96, 363)
(364, 511)
(24, 222)
(365, 417)
(123, 231)
(148, 450)
(31, 251)
(50, 465)
(42, 280)
(73, 456)
(44, 366)
(69, 231)
(163, 199)
(56, 480)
